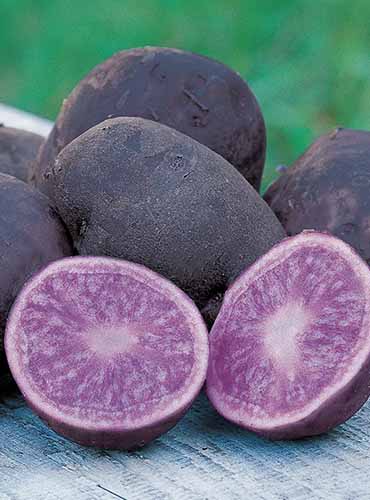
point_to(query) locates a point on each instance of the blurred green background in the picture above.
(307, 62)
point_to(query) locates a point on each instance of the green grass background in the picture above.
(308, 62)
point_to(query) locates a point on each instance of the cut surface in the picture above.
(31, 236)
(101, 343)
(292, 332)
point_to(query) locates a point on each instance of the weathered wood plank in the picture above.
(11, 117)
(202, 458)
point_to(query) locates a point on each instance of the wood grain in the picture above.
(11, 117)
(203, 457)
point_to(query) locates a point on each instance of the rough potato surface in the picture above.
(193, 94)
(18, 152)
(327, 189)
(141, 191)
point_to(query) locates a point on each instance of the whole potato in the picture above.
(18, 152)
(141, 191)
(194, 94)
(327, 189)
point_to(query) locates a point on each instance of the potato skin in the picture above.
(327, 189)
(110, 439)
(18, 152)
(342, 406)
(196, 95)
(134, 189)
(31, 236)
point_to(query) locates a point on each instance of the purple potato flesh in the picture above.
(290, 349)
(107, 352)
(198, 96)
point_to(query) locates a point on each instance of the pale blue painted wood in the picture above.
(203, 457)
(11, 117)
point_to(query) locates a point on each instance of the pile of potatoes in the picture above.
(156, 159)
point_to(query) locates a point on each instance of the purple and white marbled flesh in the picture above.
(290, 349)
(109, 353)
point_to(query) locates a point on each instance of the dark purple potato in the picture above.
(327, 189)
(134, 189)
(18, 152)
(290, 349)
(31, 236)
(193, 94)
(108, 353)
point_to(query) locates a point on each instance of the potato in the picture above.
(141, 191)
(327, 189)
(18, 152)
(290, 349)
(109, 353)
(197, 96)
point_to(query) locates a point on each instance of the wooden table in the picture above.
(203, 457)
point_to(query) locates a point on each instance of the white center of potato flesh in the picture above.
(281, 335)
(108, 341)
